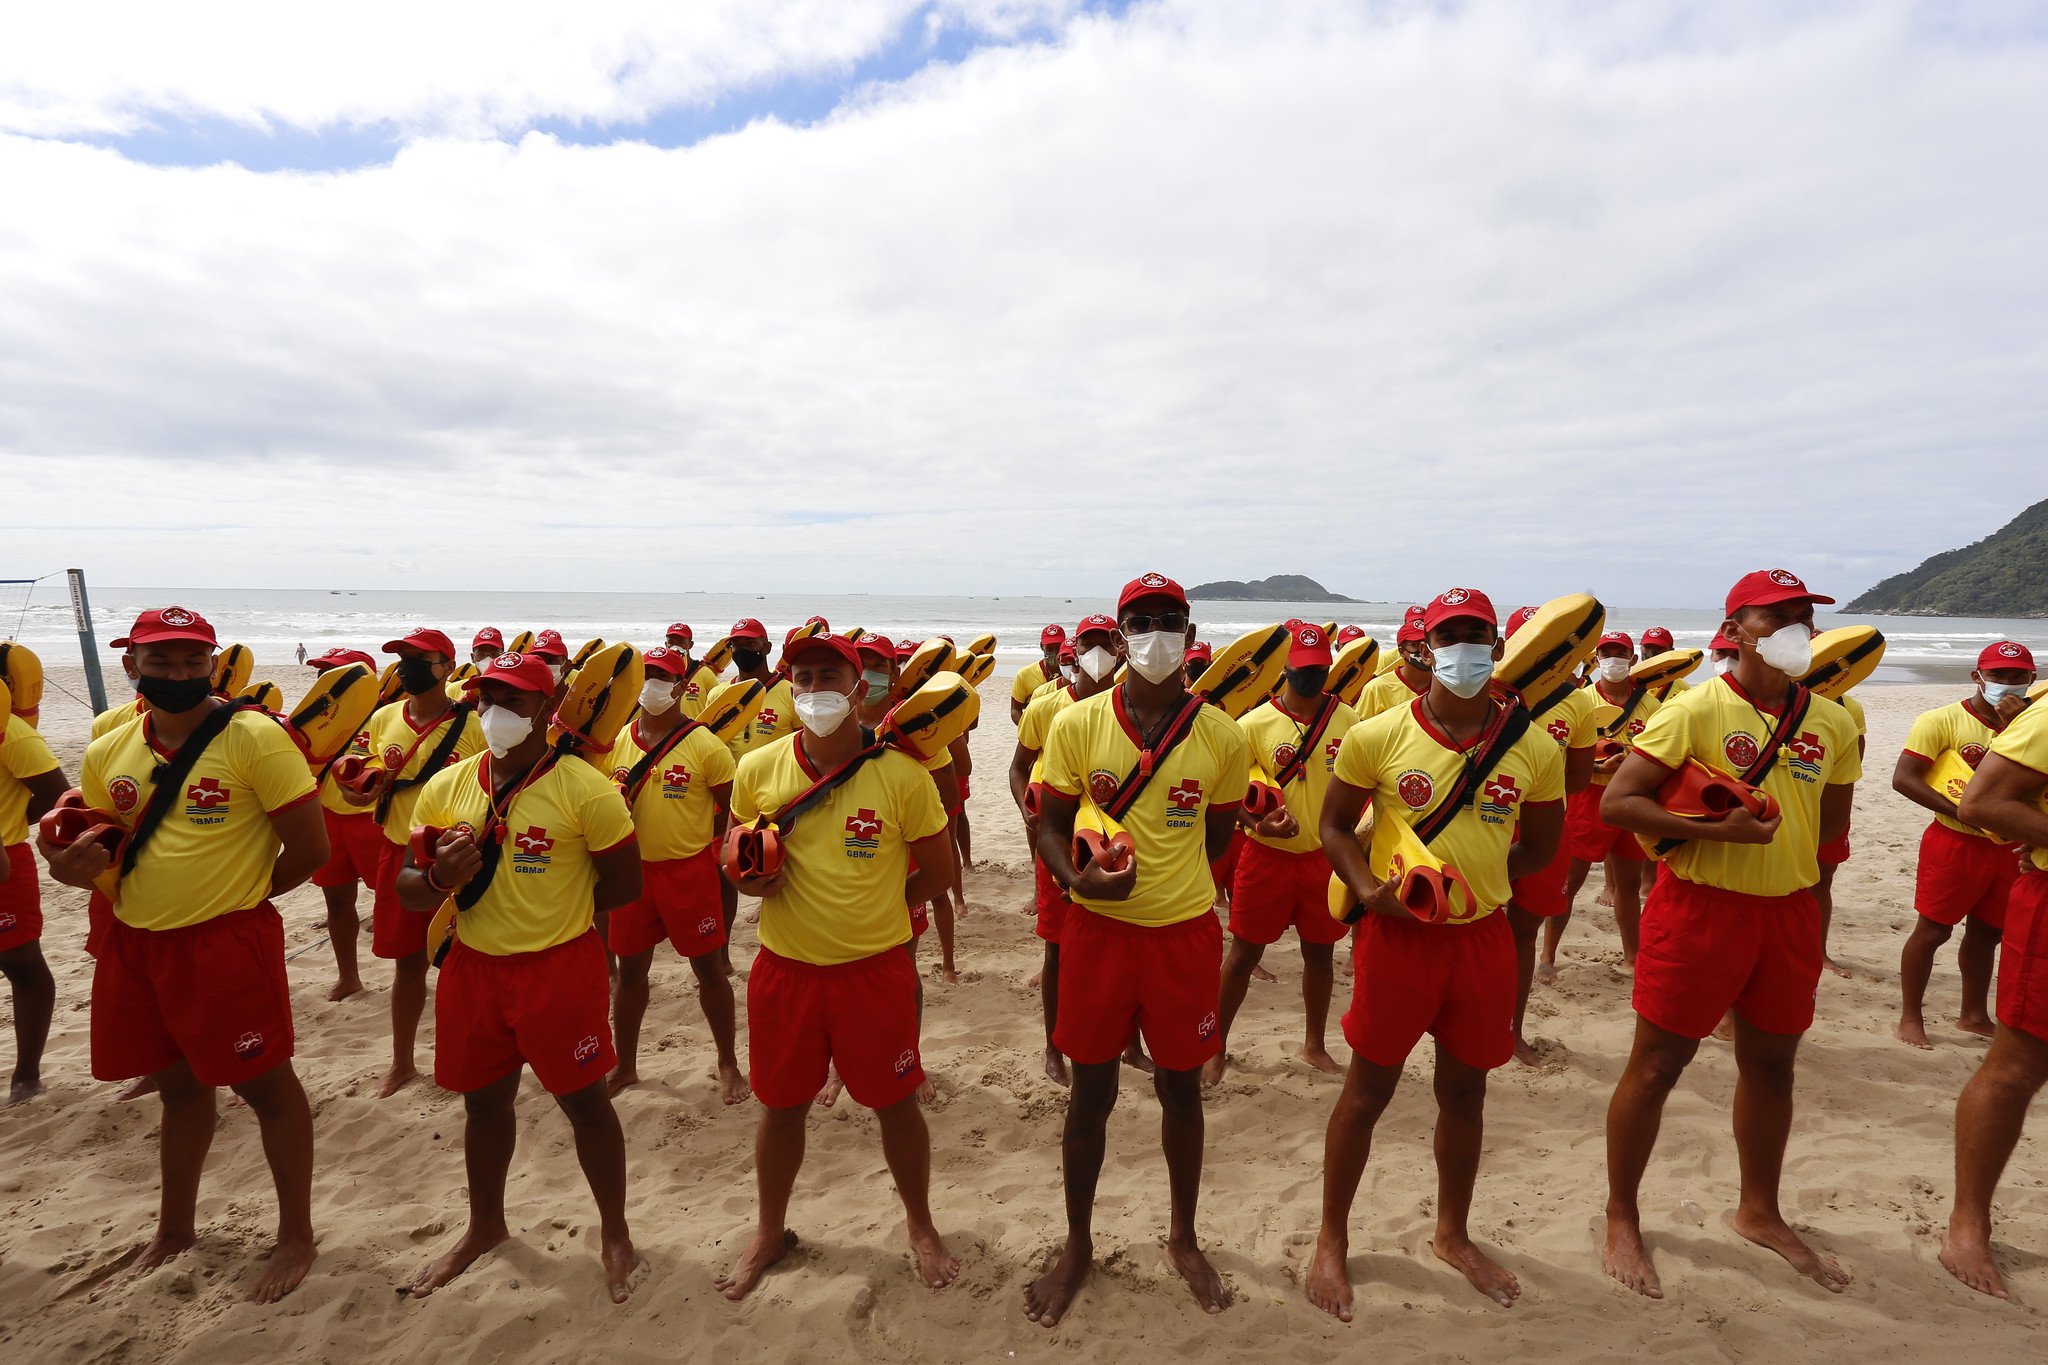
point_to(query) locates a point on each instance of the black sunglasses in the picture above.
(1137, 624)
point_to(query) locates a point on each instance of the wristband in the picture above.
(433, 885)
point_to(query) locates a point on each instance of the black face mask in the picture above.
(1309, 681)
(417, 676)
(173, 694)
(747, 660)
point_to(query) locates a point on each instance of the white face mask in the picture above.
(1721, 666)
(1465, 669)
(823, 712)
(1098, 663)
(1612, 669)
(657, 696)
(504, 729)
(1995, 693)
(1789, 649)
(1156, 655)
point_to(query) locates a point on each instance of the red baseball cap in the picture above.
(1721, 641)
(1522, 616)
(1067, 652)
(1150, 585)
(1411, 627)
(876, 644)
(680, 629)
(1768, 586)
(747, 628)
(1656, 637)
(1088, 625)
(666, 659)
(548, 644)
(1310, 646)
(826, 643)
(528, 672)
(1346, 634)
(1199, 652)
(906, 648)
(341, 658)
(167, 623)
(1052, 635)
(2006, 654)
(1616, 637)
(489, 635)
(424, 637)
(1455, 603)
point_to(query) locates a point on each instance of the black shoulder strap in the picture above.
(637, 774)
(458, 715)
(169, 777)
(1614, 727)
(1551, 702)
(1149, 760)
(489, 841)
(1789, 720)
(1513, 724)
(1310, 740)
(814, 795)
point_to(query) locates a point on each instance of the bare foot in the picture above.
(1259, 973)
(1528, 1055)
(1606, 898)
(1837, 968)
(829, 1096)
(1980, 1025)
(1329, 1278)
(1202, 1278)
(765, 1250)
(1037, 980)
(732, 1084)
(1486, 1275)
(1134, 1055)
(159, 1250)
(287, 1266)
(623, 1077)
(344, 988)
(1774, 1234)
(395, 1080)
(927, 1090)
(1913, 1033)
(1047, 1298)
(1546, 973)
(936, 1266)
(1725, 1030)
(1317, 1056)
(1213, 1069)
(136, 1089)
(24, 1089)
(1055, 1065)
(456, 1259)
(1628, 1260)
(949, 976)
(620, 1261)
(1968, 1258)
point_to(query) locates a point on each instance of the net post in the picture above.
(81, 612)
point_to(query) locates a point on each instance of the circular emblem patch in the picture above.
(1311, 636)
(1416, 788)
(503, 661)
(393, 756)
(1455, 596)
(1740, 748)
(124, 793)
(1283, 755)
(1972, 754)
(1785, 578)
(1153, 580)
(176, 616)
(2009, 650)
(1102, 786)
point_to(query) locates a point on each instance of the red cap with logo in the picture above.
(1455, 604)
(876, 644)
(167, 623)
(1052, 635)
(1721, 642)
(548, 644)
(1309, 646)
(1150, 585)
(1658, 638)
(680, 629)
(1090, 624)
(1522, 616)
(1767, 587)
(747, 628)
(527, 672)
(905, 648)
(826, 643)
(489, 635)
(341, 658)
(667, 660)
(1346, 634)
(2005, 654)
(1199, 652)
(1616, 637)
(1411, 627)
(426, 638)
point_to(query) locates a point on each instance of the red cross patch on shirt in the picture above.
(206, 792)
(1503, 791)
(535, 840)
(1185, 796)
(863, 825)
(678, 776)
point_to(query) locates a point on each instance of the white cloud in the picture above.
(1634, 298)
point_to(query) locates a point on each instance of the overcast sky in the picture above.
(1019, 295)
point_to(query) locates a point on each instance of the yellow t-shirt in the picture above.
(1273, 733)
(1570, 721)
(2025, 742)
(1409, 766)
(696, 687)
(1955, 727)
(675, 812)
(775, 720)
(214, 850)
(114, 717)
(1046, 703)
(402, 748)
(1089, 749)
(1029, 679)
(1716, 724)
(1855, 709)
(1384, 693)
(23, 754)
(541, 894)
(1608, 724)
(846, 861)
(1676, 687)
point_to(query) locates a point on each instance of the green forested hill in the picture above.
(2005, 574)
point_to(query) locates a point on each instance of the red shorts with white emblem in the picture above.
(21, 899)
(1052, 904)
(678, 902)
(1706, 951)
(1591, 839)
(213, 993)
(550, 1010)
(394, 930)
(1961, 874)
(355, 848)
(1275, 889)
(1455, 982)
(859, 1016)
(2023, 956)
(1118, 978)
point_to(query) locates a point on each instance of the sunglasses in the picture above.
(1138, 624)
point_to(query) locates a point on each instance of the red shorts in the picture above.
(394, 930)
(859, 1016)
(1836, 853)
(1052, 904)
(2023, 956)
(678, 902)
(1705, 951)
(1224, 869)
(1116, 978)
(1961, 874)
(550, 1010)
(1275, 889)
(355, 846)
(1453, 982)
(1547, 892)
(1591, 839)
(213, 993)
(21, 899)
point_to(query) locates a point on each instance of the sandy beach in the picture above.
(1867, 1177)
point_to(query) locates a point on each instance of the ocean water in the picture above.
(272, 622)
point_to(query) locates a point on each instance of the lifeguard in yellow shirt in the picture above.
(1038, 672)
(30, 783)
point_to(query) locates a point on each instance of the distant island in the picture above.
(2004, 574)
(1281, 587)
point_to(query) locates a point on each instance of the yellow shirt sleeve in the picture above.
(1026, 682)
(23, 754)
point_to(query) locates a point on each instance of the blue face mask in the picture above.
(877, 680)
(1465, 669)
(1995, 693)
